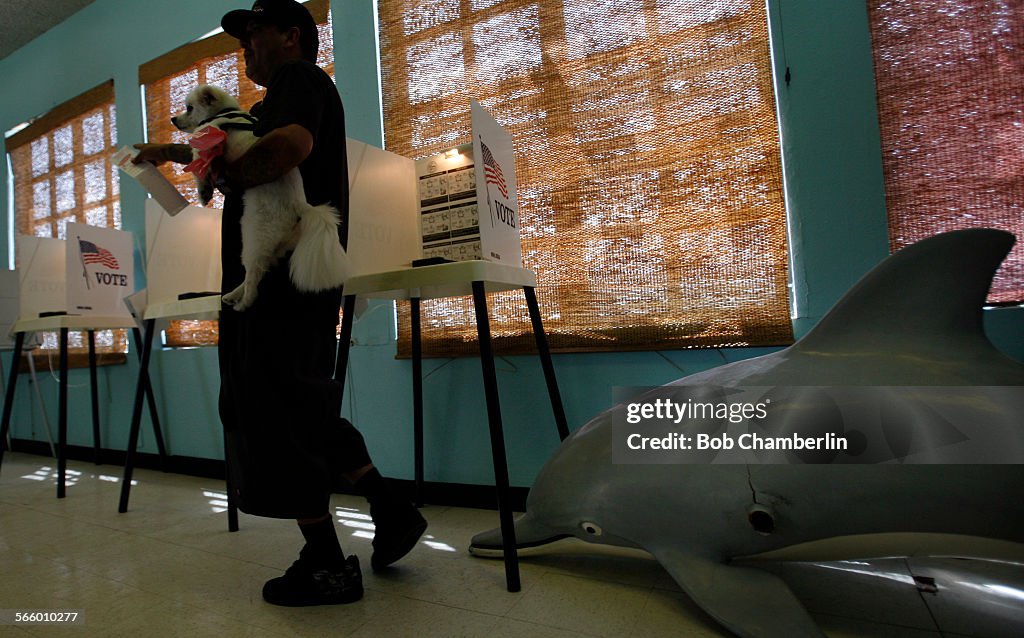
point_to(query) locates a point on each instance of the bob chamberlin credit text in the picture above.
(667, 410)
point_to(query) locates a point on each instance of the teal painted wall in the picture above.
(835, 200)
(831, 150)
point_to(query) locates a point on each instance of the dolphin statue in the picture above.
(914, 320)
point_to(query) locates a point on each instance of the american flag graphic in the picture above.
(93, 254)
(492, 172)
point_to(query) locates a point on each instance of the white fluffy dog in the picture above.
(277, 218)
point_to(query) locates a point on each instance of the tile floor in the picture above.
(169, 567)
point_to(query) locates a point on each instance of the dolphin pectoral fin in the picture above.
(747, 601)
(488, 544)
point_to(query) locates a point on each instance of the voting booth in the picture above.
(182, 263)
(74, 284)
(455, 206)
(83, 279)
(462, 206)
(467, 197)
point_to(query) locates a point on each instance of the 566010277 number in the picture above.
(41, 616)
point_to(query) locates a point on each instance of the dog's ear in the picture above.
(207, 96)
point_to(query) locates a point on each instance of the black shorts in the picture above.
(286, 445)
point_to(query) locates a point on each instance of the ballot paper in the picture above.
(152, 180)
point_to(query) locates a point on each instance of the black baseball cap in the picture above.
(281, 13)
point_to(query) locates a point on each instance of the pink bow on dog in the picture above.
(209, 141)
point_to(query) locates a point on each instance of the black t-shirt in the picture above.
(300, 93)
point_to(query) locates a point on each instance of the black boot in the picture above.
(398, 524)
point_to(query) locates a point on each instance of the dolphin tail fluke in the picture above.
(747, 601)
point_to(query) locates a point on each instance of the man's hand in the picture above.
(160, 153)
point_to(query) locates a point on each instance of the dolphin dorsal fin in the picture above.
(933, 288)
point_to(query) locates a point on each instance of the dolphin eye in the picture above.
(591, 528)
(188, 109)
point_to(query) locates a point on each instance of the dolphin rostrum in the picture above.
(914, 320)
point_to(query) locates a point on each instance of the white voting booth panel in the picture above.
(496, 186)
(100, 268)
(449, 205)
(467, 197)
(78, 284)
(183, 258)
(383, 229)
(8, 306)
(42, 276)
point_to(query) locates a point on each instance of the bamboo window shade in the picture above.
(169, 79)
(949, 75)
(647, 158)
(63, 173)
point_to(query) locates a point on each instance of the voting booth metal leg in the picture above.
(417, 398)
(143, 388)
(158, 432)
(508, 531)
(12, 383)
(133, 434)
(151, 402)
(62, 416)
(545, 361)
(344, 340)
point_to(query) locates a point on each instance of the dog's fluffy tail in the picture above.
(319, 262)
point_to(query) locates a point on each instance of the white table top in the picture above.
(441, 280)
(426, 282)
(73, 322)
(197, 308)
